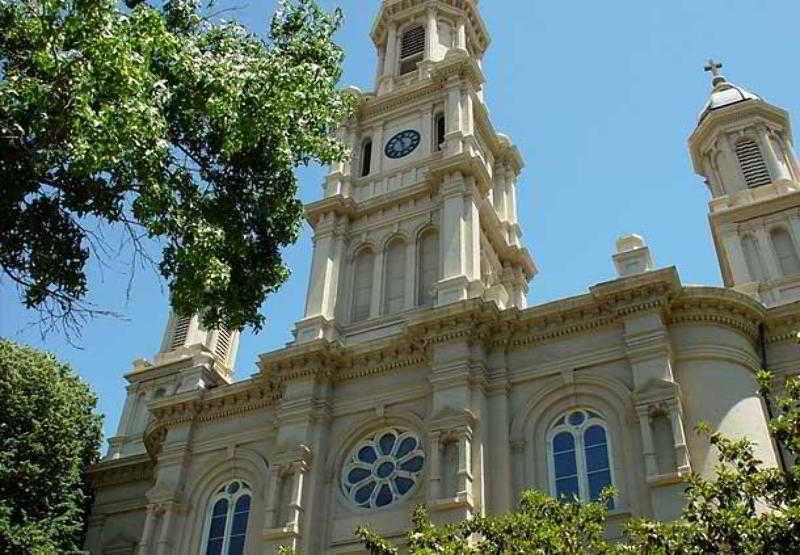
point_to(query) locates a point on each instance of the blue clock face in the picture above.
(402, 144)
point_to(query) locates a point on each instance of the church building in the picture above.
(420, 375)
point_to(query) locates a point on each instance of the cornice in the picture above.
(113, 472)
(783, 323)
(763, 207)
(718, 306)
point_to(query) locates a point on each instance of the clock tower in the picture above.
(424, 213)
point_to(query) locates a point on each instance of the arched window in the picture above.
(412, 49)
(226, 521)
(363, 270)
(752, 163)
(785, 251)
(580, 465)
(440, 130)
(752, 258)
(428, 267)
(395, 278)
(366, 158)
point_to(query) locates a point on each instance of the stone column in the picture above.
(776, 168)
(432, 34)
(464, 473)
(770, 259)
(149, 529)
(390, 63)
(452, 226)
(435, 471)
(461, 34)
(377, 286)
(650, 462)
(787, 141)
(731, 163)
(411, 274)
(500, 462)
(499, 191)
(320, 266)
(794, 224)
(679, 436)
(732, 243)
(166, 535)
(453, 137)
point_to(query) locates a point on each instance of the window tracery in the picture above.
(226, 521)
(383, 469)
(580, 463)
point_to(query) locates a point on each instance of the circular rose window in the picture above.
(383, 469)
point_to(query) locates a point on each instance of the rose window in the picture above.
(383, 469)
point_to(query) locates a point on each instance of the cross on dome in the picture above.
(713, 68)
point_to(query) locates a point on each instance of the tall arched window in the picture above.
(395, 277)
(785, 251)
(427, 267)
(363, 270)
(440, 130)
(412, 49)
(752, 259)
(580, 464)
(752, 163)
(366, 158)
(226, 521)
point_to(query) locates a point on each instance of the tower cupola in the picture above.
(412, 35)
(742, 147)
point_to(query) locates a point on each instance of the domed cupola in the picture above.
(724, 93)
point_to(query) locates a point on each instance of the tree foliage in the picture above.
(170, 125)
(49, 436)
(745, 508)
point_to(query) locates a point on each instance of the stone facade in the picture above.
(419, 375)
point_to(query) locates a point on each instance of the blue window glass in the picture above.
(595, 435)
(413, 465)
(403, 485)
(386, 443)
(580, 457)
(384, 496)
(567, 489)
(564, 441)
(227, 527)
(406, 446)
(367, 454)
(576, 418)
(357, 474)
(363, 494)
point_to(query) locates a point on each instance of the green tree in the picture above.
(745, 508)
(167, 124)
(49, 436)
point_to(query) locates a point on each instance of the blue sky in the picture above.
(600, 97)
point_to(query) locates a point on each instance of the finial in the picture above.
(714, 67)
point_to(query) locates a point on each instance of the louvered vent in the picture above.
(412, 47)
(752, 163)
(223, 344)
(181, 331)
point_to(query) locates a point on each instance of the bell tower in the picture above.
(424, 212)
(742, 147)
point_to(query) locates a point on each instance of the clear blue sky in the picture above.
(600, 97)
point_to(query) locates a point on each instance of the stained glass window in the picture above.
(580, 461)
(383, 468)
(226, 527)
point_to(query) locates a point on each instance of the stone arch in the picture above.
(246, 465)
(608, 397)
(356, 249)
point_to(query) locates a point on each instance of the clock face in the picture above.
(402, 144)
